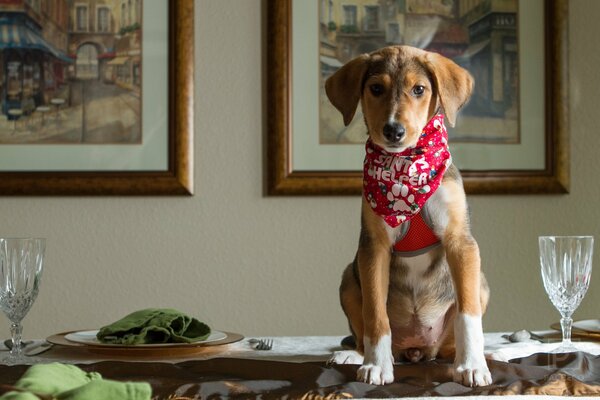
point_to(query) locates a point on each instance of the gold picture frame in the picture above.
(177, 179)
(283, 179)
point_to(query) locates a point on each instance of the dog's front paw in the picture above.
(470, 368)
(472, 372)
(378, 367)
(376, 374)
(346, 357)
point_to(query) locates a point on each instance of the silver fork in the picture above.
(262, 344)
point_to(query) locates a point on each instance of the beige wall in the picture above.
(271, 266)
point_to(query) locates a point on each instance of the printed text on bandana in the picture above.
(388, 167)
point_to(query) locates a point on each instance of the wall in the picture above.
(271, 266)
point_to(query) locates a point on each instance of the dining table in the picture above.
(296, 367)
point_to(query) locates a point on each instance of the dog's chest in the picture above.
(421, 281)
(419, 297)
(420, 288)
(413, 271)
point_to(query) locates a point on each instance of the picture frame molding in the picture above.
(177, 179)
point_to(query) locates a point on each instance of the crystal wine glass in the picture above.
(566, 263)
(21, 262)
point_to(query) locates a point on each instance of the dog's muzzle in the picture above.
(394, 132)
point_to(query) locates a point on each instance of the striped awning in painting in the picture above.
(20, 36)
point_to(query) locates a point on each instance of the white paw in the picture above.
(378, 366)
(346, 357)
(472, 372)
(375, 374)
(470, 368)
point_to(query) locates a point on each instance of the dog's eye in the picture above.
(418, 90)
(376, 89)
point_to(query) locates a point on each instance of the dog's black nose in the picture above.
(394, 131)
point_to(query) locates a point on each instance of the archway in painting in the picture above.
(86, 65)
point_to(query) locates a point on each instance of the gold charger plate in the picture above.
(158, 350)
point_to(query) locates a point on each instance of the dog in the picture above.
(405, 300)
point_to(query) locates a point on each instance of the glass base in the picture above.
(565, 347)
(12, 359)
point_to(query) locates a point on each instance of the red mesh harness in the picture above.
(416, 237)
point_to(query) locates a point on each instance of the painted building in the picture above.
(127, 66)
(33, 54)
(92, 30)
(105, 40)
(355, 26)
(481, 35)
(492, 55)
(362, 26)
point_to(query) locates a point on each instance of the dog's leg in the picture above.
(351, 300)
(374, 268)
(462, 253)
(377, 368)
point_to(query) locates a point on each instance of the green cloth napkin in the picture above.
(154, 325)
(67, 382)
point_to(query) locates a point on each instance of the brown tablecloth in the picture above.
(566, 374)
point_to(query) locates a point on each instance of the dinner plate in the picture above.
(588, 325)
(89, 338)
(84, 340)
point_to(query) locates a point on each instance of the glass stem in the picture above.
(565, 324)
(16, 330)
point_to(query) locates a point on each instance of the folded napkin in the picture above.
(67, 382)
(154, 325)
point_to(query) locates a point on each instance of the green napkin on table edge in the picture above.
(154, 325)
(67, 382)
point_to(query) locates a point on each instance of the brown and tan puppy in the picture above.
(411, 307)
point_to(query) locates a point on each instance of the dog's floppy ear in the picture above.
(454, 84)
(344, 87)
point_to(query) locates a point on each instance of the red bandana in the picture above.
(397, 185)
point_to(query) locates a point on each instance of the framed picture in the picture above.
(512, 137)
(96, 97)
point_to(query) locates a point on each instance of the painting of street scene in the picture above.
(479, 35)
(70, 71)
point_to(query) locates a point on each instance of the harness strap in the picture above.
(418, 238)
